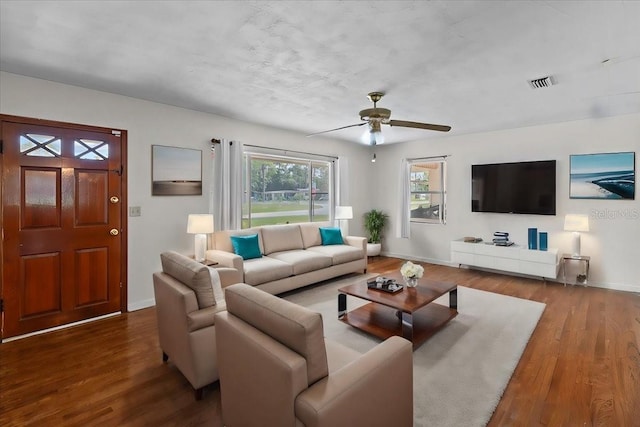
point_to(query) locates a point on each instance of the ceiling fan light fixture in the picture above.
(376, 116)
(375, 133)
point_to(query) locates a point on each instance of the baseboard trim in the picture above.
(57, 328)
(415, 258)
(610, 286)
(139, 305)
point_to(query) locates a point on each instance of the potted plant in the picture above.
(374, 223)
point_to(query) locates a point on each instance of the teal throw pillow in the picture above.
(331, 236)
(246, 246)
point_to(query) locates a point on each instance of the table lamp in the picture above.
(200, 225)
(576, 223)
(343, 213)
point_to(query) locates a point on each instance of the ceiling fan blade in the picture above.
(331, 130)
(417, 125)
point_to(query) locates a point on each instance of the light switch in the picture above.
(135, 211)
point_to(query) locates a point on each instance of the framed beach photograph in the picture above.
(609, 176)
(176, 171)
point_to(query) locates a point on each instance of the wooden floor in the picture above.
(580, 368)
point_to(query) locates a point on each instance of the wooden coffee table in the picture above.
(408, 313)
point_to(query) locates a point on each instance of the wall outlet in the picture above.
(135, 211)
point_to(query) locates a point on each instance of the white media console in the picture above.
(513, 259)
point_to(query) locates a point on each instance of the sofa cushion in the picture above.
(295, 326)
(278, 238)
(311, 233)
(222, 239)
(303, 261)
(340, 254)
(265, 269)
(331, 236)
(247, 247)
(193, 274)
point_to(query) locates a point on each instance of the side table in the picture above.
(581, 278)
(206, 262)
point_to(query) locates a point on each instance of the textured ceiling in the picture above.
(307, 66)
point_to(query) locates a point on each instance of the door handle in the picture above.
(114, 199)
(114, 232)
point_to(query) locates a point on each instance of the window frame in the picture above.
(441, 192)
(262, 153)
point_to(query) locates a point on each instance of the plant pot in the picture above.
(373, 249)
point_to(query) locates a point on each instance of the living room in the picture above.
(614, 225)
(610, 241)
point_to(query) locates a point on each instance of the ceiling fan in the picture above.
(375, 117)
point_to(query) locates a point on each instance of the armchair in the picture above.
(188, 294)
(276, 368)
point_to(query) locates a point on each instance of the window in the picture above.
(427, 193)
(40, 145)
(285, 190)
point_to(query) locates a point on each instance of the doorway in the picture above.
(64, 243)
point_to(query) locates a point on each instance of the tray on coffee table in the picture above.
(385, 284)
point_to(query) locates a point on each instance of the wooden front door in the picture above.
(63, 218)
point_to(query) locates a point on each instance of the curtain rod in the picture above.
(429, 158)
(285, 151)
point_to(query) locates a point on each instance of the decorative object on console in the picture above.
(411, 273)
(200, 225)
(576, 223)
(602, 176)
(471, 239)
(533, 238)
(501, 238)
(341, 214)
(544, 241)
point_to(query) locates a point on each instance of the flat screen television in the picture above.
(522, 188)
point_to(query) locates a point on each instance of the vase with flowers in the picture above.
(411, 273)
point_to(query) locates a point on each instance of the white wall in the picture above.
(162, 225)
(614, 237)
(612, 242)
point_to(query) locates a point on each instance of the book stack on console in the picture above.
(501, 238)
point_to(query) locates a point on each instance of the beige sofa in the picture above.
(277, 369)
(292, 256)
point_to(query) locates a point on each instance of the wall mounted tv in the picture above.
(522, 188)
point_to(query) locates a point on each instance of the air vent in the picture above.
(541, 82)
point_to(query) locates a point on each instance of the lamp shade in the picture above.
(575, 222)
(343, 212)
(200, 224)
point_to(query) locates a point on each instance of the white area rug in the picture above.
(460, 373)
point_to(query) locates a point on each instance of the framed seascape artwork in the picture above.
(603, 176)
(176, 171)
